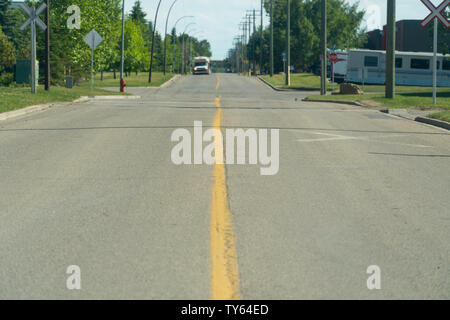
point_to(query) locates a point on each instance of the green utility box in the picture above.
(23, 71)
(69, 82)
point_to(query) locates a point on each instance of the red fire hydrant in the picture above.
(122, 85)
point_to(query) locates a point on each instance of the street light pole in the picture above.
(323, 55)
(390, 50)
(165, 36)
(122, 81)
(183, 65)
(153, 43)
(173, 40)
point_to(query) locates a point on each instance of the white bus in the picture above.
(412, 68)
(202, 65)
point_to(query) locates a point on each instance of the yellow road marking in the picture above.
(218, 83)
(224, 273)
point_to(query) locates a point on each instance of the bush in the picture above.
(6, 79)
(7, 60)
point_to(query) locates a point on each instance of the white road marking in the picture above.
(336, 137)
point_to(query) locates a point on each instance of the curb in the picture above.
(171, 81)
(434, 122)
(272, 86)
(109, 98)
(24, 111)
(43, 107)
(336, 101)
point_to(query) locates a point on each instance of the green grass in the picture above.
(421, 100)
(443, 115)
(299, 81)
(13, 98)
(308, 81)
(133, 80)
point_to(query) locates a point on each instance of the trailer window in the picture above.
(446, 64)
(399, 63)
(423, 64)
(370, 61)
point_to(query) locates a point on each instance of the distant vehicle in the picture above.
(202, 65)
(340, 67)
(412, 68)
(229, 70)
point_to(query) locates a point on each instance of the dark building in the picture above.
(410, 37)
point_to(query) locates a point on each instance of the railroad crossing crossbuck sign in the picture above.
(436, 12)
(33, 20)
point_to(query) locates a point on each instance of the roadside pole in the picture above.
(93, 40)
(435, 44)
(153, 43)
(288, 44)
(261, 53)
(165, 36)
(437, 13)
(92, 64)
(390, 51)
(254, 42)
(323, 83)
(271, 39)
(47, 46)
(33, 15)
(122, 58)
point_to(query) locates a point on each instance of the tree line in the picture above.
(71, 56)
(344, 31)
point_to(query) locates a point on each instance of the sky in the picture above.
(218, 20)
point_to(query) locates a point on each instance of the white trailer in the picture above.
(340, 67)
(412, 68)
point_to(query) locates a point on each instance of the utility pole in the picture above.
(254, 42)
(261, 44)
(122, 56)
(323, 55)
(288, 44)
(182, 56)
(390, 50)
(435, 47)
(47, 46)
(271, 39)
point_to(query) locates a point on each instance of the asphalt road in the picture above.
(93, 185)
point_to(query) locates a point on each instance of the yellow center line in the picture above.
(218, 83)
(224, 273)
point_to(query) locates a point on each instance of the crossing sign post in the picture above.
(93, 40)
(437, 14)
(33, 20)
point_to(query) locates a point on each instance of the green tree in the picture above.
(7, 60)
(344, 29)
(137, 14)
(7, 20)
(69, 53)
(137, 56)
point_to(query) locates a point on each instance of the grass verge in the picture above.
(133, 80)
(420, 100)
(311, 82)
(443, 115)
(13, 98)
